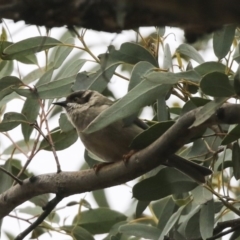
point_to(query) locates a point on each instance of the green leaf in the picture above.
(167, 59)
(222, 40)
(7, 84)
(64, 123)
(236, 160)
(71, 66)
(6, 68)
(171, 78)
(201, 195)
(140, 230)
(131, 53)
(143, 94)
(190, 228)
(206, 220)
(26, 147)
(62, 53)
(162, 109)
(5, 180)
(232, 136)
(56, 89)
(11, 120)
(101, 198)
(45, 78)
(93, 221)
(61, 140)
(236, 55)
(216, 84)
(78, 232)
(207, 111)
(237, 81)
(29, 46)
(95, 81)
(33, 75)
(163, 210)
(141, 206)
(167, 182)
(208, 67)
(171, 222)
(189, 51)
(30, 110)
(30, 59)
(138, 71)
(148, 136)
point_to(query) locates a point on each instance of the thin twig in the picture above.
(47, 210)
(50, 138)
(12, 176)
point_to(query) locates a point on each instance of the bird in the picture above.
(112, 142)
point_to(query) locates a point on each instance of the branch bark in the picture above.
(196, 16)
(69, 183)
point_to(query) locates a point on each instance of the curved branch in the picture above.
(69, 183)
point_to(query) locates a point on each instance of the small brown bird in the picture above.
(113, 141)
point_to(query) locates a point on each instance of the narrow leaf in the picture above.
(232, 136)
(56, 89)
(140, 96)
(190, 52)
(167, 182)
(7, 84)
(11, 120)
(29, 46)
(140, 230)
(207, 111)
(61, 140)
(222, 40)
(206, 220)
(236, 160)
(171, 222)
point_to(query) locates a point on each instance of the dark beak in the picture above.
(62, 104)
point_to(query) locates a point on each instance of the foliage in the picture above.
(180, 208)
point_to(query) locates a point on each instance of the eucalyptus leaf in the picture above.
(216, 84)
(61, 140)
(131, 53)
(56, 89)
(171, 222)
(95, 81)
(64, 123)
(208, 67)
(232, 136)
(138, 71)
(167, 182)
(206, 220)
(236, 160)
(140, 230)
(12, 120)
(151, 134)
(143, 94)
(30, 110)
(29, 46)
(6, 85)
(167, 59)
(92, 220)
(207, 111)
(78, 232)
(62, 52)
(189, 51)
(163, 210)
(222, 40)
(6, 68)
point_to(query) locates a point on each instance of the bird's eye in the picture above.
(76, 99)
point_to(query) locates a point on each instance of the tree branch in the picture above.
(69, 183)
